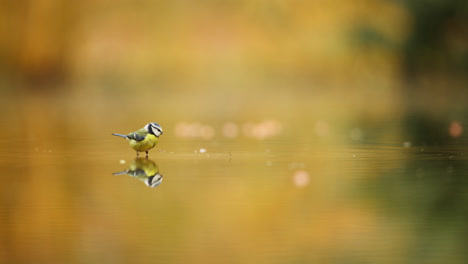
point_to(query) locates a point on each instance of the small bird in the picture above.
(144, 170)
(144, 139)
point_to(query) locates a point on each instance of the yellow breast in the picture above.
(146, 144)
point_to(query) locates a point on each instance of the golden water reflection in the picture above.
(144, 170)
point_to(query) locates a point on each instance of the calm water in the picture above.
(241, 200)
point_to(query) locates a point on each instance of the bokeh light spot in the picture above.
(301, 178)
(194, 130)
(230, 130)
(262, 130)
(455, 129)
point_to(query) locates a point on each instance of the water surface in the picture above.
(242, 200)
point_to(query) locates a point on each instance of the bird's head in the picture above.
(154, 129)
(154, 181)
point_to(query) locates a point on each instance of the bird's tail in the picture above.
(119, 135)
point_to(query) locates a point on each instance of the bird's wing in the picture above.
(136, 136)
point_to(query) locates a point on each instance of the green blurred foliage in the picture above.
(438, 39)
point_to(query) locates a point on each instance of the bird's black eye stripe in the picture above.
(151, 131)
(156, 128)
(150, 180)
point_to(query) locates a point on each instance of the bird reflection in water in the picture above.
(144, 170)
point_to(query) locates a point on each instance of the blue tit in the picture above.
(145, 138)
(144, 170)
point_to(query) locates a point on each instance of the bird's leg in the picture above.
(146, 153)
(137, 153)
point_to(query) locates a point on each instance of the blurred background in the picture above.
(374, 60)
(295, 131)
